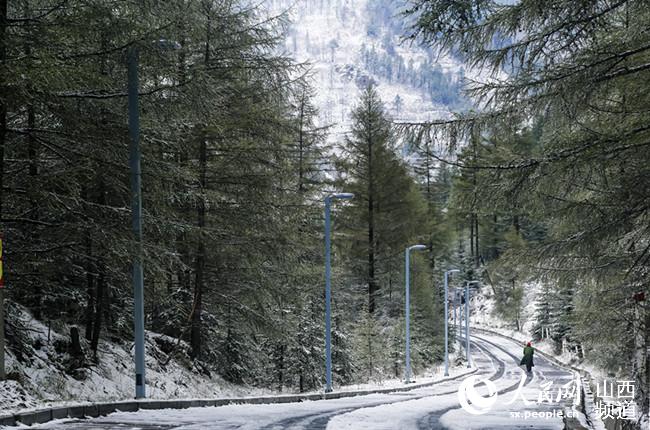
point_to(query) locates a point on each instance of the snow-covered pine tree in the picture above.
(588, 178)
(542, 328)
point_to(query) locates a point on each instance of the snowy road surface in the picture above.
(435, 407)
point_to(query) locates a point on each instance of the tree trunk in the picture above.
(37, 297)
(301, 125)
(515, 223)
(372, 287)
(371, 364)
(471, 235)
(182, 246)
(99, 298)
(75, 345)
(197, 308)
(90, 289)
(280, 367)
(195, 337)
(477, 254)
(100, 282)
(475, 250)
(495, 249)
(428, 169)
(516, 310)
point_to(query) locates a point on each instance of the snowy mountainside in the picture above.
(350, 43)
(46, 371)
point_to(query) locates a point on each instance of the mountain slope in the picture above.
(351, 43)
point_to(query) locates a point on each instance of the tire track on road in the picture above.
(432, 420)
(319, 421)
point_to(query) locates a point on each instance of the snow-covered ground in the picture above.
(429, 407)
(43, 379)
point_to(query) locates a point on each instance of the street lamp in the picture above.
(407, 309)
(447, 318)
(458, 317)
(467, 284)
(136, 214)
(328, 288)
(136, 207)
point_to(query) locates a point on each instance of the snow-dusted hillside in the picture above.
(350, 43)
(44, 372)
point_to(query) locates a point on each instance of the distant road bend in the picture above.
(435, 407)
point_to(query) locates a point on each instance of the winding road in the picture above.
(517, 404)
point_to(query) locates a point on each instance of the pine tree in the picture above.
(542, 325)
(587, 180)
(384, 193)
(227, 135)
(369, 349)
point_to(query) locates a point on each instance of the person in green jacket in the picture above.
(528, 357)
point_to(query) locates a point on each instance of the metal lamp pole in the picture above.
(328, 289)
(458, 316)
(407, 309)
(467, 284)
(454, 311)
(136, 207)
(447, 319)
(136, 213)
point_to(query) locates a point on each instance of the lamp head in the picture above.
(168, 45)
(342, 195)
(418, 247)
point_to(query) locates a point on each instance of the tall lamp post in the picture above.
(136, 206)
(447, 319)
(136, 214)
(407, 309)
(328, 289)
(458, 316)
(467, 284)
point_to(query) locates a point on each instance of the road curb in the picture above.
(94, 410)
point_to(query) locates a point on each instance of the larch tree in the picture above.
(388, 209)
(582, 71)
